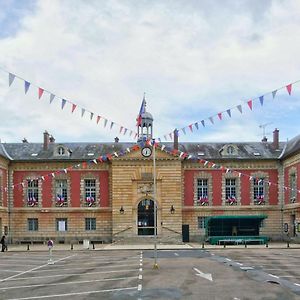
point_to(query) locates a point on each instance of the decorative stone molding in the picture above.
(261, 176)
(67, 201)
(237, 188)
(32, 176)
(91, 176)
(292, 193)
(208, 177)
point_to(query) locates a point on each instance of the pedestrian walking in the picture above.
(3, 243)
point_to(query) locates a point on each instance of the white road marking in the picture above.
(240, 264)
(246, 268)
(141, 264)
(140, 270)
(11, 277)
(140, 276)
(65, 283)
(68, 274)
(274, 276)
(139, 287)
(12, 271)
(75, 294)
(297, 284)
(176, 254)
(228, 259)
(203, 275)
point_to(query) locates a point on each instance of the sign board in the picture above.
(61, 225)
(50, 244)
(286, 227)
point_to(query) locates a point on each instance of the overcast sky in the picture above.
(193, 59)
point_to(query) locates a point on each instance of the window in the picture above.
(1, 189)
(90, 223)
(61, 224)
(293, 187)
(230, 191)
(259, 191)
(202, 191)
(202, 222)
(32, 192)
(230, 150)
(90, 192)
(61, 150)
(32, 224)
(61, 191)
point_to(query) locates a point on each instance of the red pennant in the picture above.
(121, 128)
(250, 104)
(109, 156)
(220, 116)
(73, 107)
(98, 119)
(289, 88)
(100, 159)
(191, 127)
(41, 91)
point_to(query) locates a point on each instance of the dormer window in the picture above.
(61, 151)
(230, 150)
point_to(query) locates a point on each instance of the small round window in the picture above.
(61, 151)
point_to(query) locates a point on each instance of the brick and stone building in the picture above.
(105, 191)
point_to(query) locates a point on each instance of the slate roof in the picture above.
(292, 146)
(85, 151)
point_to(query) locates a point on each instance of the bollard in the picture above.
(224, 245)
(71, 246)
(93, 245)
(267, 245)
(202, 245)
(288, 244)
(28, 247)
(245, 244)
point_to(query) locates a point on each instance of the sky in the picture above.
(192, 59)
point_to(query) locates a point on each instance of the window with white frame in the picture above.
(202, 222)
(202, 191)
(32, 224)
(61, 192)
(62, 224)
(293, 187)
(230, 191)
(259, 190)
(32, 192)
(90, 224)
(90, 192)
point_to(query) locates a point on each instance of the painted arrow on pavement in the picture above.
(204, 275)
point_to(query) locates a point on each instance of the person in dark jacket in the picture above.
(3, 243)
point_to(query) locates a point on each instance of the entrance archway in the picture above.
(145, 217)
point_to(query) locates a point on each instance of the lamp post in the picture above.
(155, 266)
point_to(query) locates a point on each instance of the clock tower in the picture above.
(145, 125)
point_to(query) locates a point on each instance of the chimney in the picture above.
(264, 139)
(116, 139)
(52, 139)
(175, 146)
(24, 141)
(46, 140)
(275, 143)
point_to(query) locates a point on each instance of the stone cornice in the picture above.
(62, 210)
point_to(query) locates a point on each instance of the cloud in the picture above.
(192, 59)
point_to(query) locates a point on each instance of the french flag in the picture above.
(142, 110)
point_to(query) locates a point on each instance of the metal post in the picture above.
(155, 266)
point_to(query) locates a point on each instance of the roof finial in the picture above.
(144, 99)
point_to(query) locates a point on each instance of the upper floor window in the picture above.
(90, 192)
(32, 192)
(230, 191)
(202, 191)
(61, 191)
(230, 150)
(1, 190)
(61, 150)
(259, 191)
(293, 187)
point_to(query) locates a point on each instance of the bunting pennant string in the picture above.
(53, 96)
(239, 107)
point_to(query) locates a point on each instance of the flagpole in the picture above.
(155, 266)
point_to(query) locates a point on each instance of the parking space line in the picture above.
(71, 274)
(76, 294)
(65, 283)
(28, 271)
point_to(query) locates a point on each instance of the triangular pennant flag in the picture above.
(121, 128)
(135, 136)
(73, 107)
(112, 124)
(165, 137)
(91, 116)
(250, 104)
(203, 123)
(220, 116)
(82, 112)
(211, 119)
(105, 122)
(196, 125)
(170, 135)
(239, 107)
(228, 112)
(289, 88)
(261, 99)
(11, 78)
(63, 103)
(98, 119)
(131, 132)
(51, 98)
(274, 94)
(183, 130)
(27, 85)
(125, 131)
(191, 127)
(41, 91)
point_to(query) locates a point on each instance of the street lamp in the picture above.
(155, 266)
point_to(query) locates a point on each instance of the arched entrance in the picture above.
(145, 217)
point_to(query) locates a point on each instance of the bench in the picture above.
(240, 241)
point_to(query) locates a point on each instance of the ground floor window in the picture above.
(145, 220)
(61, 224)
(90, 223)
(33, 224)
(201, 222)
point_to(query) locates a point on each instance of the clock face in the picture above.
(146, 152)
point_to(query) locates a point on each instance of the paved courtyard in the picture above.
(231, 273)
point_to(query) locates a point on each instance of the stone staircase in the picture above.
(144, 240)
